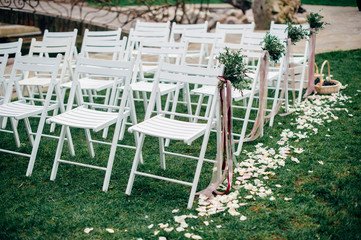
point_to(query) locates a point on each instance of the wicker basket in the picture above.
(318, 74)
(327, 89)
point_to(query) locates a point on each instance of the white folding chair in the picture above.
(93, 85)
(298, 60)
(3, 62)
(136, 37)
(199, 46)
(148, 58)
(178, 30)
(234, 30)
(164, 126)
(91, 36)
(105, 49)
(142, 26)
(59, 36)
(99, 118)
(7, 49)
(24, 108)
(45, 49)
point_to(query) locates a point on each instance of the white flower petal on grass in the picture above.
(243, 218)
(310, 171)
(168, 229)
(218, 226)
(278, 185)
(288, 199)
(295, 159)
(162, 238)
(150, 226)
(175, 210)
(184, 225)
(88, 230)
(179, 229)
(161, 225)
(156, 232)
(320, 162)
(206, 223)
(109, 230)
(299, 150)
(248, 197)
(188, 235)
(196, 237)
(233, 212)
(272, 198)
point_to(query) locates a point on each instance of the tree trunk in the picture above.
(262, 13)
(280, 11)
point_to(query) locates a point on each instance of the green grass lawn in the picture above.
(344, 3)
(324, 186)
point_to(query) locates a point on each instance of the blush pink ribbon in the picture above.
(311, 70)
(257, 129)
(223, 167)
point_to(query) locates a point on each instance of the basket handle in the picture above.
(323, 65)
(317, 72)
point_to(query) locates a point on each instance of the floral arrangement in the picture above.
(274, 46)
(234, 68)
(295, 33)
(315, 22)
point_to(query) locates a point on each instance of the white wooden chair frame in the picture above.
(136, 37)
(167, 128)
(5, 50)
(168, 51)
(59, 36)
(22, 110)
(95, 120)
(180, 29)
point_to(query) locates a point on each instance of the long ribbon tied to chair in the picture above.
(288, 66)
(257, 129)
(223, 167)
(311, 69)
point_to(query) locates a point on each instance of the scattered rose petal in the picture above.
(179, 229)
(288, 199)
(196, 237)
(188, 235)
(109, 230)
(320, 162)
(88, 230)
(206, 223)
(278, 185)
(161, 225)
(162, 238)
(218, 226)
(272, 198)
(175, 210)
(168, 229)
(156, 232)
(243, 218)
(151, 226)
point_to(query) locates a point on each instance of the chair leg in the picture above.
(210, 98)
(59, 149)
(198, 171)
(112, 154)
(34, 151)
(199, 106)
(70, 141)
(52, 126)
(135, 164)
(90, 144)
(15, 131)
(29, 132)
(161, 153)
